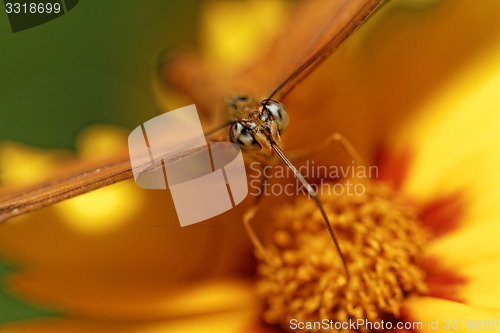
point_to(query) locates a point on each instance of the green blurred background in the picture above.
(93, 64)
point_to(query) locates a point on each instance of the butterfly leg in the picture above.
(346, 145)
(259, 247)
(338, 138)
(248, 217)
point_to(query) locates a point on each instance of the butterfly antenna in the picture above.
(316, 201)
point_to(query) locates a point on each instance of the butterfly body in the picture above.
(257, 130)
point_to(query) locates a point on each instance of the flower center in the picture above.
(381, 239)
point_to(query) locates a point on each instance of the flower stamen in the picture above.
(381, 238)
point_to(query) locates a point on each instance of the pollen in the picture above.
(302, 277)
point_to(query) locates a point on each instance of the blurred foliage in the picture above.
(95, 64)
(13, 309)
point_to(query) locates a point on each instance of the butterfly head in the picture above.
(261, 128)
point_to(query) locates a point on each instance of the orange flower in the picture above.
(421, 81)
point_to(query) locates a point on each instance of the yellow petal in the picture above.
(221, 307)
(441, 314)
(482, 289)
(103, 210)
(101, 141)
(466, 246)
(465, 265)
(233, 322)
(22, 165)
(228, 30)
(456, 142)
(130, 272)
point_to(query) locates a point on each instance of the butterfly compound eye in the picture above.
(243, 136)
(278, 112)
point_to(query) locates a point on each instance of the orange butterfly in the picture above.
(291, 58)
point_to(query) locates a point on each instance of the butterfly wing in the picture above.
(79, 179)
(15, 203)
(314, 30)
(349, 18)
